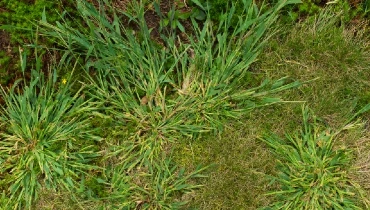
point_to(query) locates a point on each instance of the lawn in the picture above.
(145, 105)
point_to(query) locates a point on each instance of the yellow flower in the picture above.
(64, 81)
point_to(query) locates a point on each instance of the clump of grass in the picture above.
(165, 186)
(166, 90)
(162, 92)
(42, 126)
(312, 172)
(308, 52)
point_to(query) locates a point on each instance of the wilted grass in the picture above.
(362, 172)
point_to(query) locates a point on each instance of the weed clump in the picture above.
(312, 173)
(42, 127)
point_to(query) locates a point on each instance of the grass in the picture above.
(238, 165)
(156, 94)
(311, 172)
(42, 129)
(306, 52)
(162, 108)
(335, 56)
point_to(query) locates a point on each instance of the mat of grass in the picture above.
(139, 105)
(337, 59)
(154, 94)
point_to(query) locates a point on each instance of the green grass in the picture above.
(312, 173)
(18, 15)
(337, 57)
(165, 109)
(46, 139)
(337, 61)
(238, 164)
(156, 94)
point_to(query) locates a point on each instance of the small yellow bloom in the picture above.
(64, 81)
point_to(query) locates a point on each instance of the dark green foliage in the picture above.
(309, 7)
(216, 8)
(23, 14)
(350, 9)
(4, 63)
(174, 18)
(19, 18)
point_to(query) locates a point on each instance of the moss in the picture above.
(22, 14)
(18, 19)
(4, 64)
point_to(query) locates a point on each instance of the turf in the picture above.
(334, 60)
(331, 59)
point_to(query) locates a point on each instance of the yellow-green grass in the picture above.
(336, 60)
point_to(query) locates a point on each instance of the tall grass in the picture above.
(312, 172)
(172, 88)
(159, 92)
(45, 141)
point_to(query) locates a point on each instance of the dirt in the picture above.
(6, 47)
(4, 41)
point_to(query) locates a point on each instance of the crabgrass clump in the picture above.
(312, 172)
(45, 141)
(172, 87)
(161, 92)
